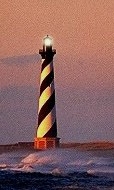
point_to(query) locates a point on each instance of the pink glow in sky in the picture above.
(83, 33)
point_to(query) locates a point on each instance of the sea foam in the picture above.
(58, 161)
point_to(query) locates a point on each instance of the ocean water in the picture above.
(59, 169)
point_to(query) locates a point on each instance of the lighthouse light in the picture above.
(47, 41)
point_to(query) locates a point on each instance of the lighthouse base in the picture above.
(46, 143)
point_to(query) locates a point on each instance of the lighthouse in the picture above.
(46, 134)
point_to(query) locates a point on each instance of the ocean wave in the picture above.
(59, 161)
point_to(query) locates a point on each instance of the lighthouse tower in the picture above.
(46, 134)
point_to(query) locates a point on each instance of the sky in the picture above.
(83, 35)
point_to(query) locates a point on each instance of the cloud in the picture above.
(18, 114)
(20, 60)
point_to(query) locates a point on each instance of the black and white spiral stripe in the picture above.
(47, 126)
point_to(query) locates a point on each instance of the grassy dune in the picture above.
(90, 145)
(28, 146)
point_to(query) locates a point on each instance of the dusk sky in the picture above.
(83, 35)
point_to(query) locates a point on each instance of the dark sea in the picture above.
(60, 169)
